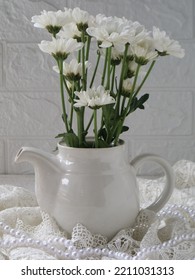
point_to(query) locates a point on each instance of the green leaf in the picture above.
(63, 117)
(138, 103)
(102, 144)
(60, 135)
(70, 139)
(102, 133)
(108, 113)
(142, 100)
(133, 106)
(124, 128)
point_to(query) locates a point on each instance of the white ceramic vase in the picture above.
(94, 187)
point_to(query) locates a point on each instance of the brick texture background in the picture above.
(30, 112)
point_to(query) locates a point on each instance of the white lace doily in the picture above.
(28, 233)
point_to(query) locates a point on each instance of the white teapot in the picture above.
(94, 187)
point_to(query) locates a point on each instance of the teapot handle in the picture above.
(170, 178)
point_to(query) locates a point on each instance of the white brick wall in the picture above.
(30, 112)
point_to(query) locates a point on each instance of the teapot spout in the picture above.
(48, 169)
(38, 158)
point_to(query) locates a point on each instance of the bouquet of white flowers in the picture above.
(123, 49)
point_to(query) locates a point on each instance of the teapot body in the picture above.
(97, 189)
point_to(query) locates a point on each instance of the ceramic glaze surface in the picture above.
(94, 187)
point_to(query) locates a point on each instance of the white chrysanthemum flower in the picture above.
(137, 33)
(98, 20)
(107, 40)
(81, 18)
(132, 66)
(134, 30)
(166, 46)
(127, 85)
(116, 56)
(110, 32)
(70, 31)
(93, 98)
(72, 70)
(102, 20)
(144, 51)
(54, 19)
(60, 48)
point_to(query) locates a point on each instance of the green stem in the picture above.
(145, 78)
(132, 91)
(106, 120)
(117, 105)
(95, 70)
(62, 95)
(88, 47)
(80, 114)
(123, 67)
(82, 122)
(112, 133)
(89, 124)
(120, 124)
(83, 63)
(67, 89)
(124, 114)
(135, 79)
(87, 55)
(95, 128)
(72, 106)
(123, 104)
(79, 127)
(123, 70)
(113, 77)
(108, 67)
(121, 121)
(105, 66)
(79, 56)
